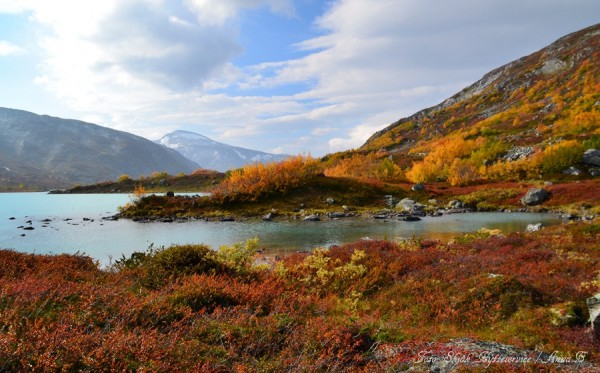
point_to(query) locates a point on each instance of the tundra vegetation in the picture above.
(365, 306)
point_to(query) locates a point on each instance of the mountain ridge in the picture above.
(550, 66)
(542, 104)
(45, 152)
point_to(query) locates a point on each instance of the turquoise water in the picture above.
(106, 240)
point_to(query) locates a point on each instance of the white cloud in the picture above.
(358, 134)
(218, 12)
(146, 42)
(400, 56)
(10, 49)
(323, 131)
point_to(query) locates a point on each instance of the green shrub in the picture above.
(158, 265)
(159, 175)
(123, 178)
(239, 257)
(592, 143)
(556, 158)
(183, 260)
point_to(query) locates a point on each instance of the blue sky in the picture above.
(286, 76)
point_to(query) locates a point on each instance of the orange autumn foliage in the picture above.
(438, 162)
(368, 166)
(259, 180)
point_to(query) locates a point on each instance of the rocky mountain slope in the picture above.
(533, 109)
(214, 155)
(43, 152)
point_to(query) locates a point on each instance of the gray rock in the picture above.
(535, 196)
(418, 187)
(571, 171)
(455, 204)
(390, 201)
(518, 152)
(410, 206)
(409, 218)
(312, 217)
(552, 65)
(170, 194)
(594, 171)
(268, 217)
(591, 157)
(593, 304)
(534, 227)
(330, 201)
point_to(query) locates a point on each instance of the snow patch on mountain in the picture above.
(214, 155)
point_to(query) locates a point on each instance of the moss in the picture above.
(489, 199)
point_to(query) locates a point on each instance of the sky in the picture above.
(281, 76)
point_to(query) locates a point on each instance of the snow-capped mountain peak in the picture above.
(214, 155)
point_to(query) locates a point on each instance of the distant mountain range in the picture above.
(214, 155)
(43, 152)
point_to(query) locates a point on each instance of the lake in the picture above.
(70, 223)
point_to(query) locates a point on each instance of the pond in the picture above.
(70, 223)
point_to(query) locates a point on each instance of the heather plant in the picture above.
(157, 266)
(180, 260)
(322, 273)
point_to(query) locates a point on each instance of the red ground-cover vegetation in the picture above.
(366, 306)
(583, 193)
